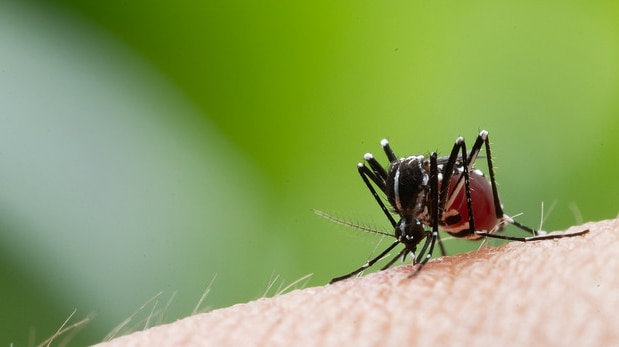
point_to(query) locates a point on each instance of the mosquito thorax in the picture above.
(407, 185)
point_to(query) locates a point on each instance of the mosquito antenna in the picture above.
(349, 224)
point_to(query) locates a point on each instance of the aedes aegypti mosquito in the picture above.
(468, 207)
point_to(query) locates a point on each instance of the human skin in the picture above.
(562, 292)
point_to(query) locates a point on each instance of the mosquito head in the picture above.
(410, 232)
(407, 185)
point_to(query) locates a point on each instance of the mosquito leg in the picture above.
(510, 220)
(392, 261)
(388, 151)
(448, 169)
(378, 175)
(531, 238)
(498, 209)
(434, 197)
(379, 181)
(428, 245)
(467, 186)
(365, 173)
(483, 137)
(447, 173)
(368, 264)
(441, 246)
(378, 169)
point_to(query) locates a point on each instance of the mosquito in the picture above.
(444, 193)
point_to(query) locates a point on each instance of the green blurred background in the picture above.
(148, 147)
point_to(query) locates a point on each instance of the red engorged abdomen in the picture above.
(482, 202)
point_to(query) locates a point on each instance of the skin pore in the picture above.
(548, 293)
